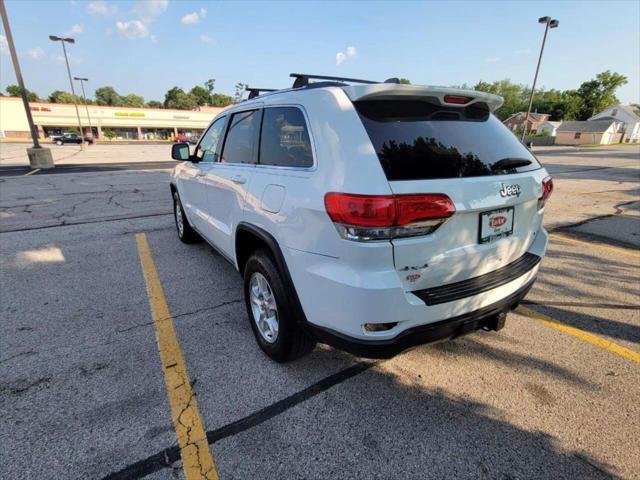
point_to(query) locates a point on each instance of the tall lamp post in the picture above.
(38, 157)
(84, 99)
(63, 40)
(548, 24)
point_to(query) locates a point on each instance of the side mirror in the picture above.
(180, 151)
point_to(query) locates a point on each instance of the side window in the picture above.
(285, 139)
(208, 146)
(242, 135)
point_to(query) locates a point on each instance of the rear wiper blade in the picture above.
(508, 163)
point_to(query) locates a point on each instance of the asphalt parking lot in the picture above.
(82, 383)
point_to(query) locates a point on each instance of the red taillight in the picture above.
(547, 188)
(455, 99)
(368, 217)
(361, 210)
(414, 208)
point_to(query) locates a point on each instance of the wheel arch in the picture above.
(250, 238)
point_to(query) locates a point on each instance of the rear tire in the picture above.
(185, 232)
(270, 312)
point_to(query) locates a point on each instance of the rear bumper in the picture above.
(340, 299)
(453, 327)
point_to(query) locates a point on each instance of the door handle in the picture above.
(238, 179)
(200, 174)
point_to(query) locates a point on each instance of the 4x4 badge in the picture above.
(510, 190)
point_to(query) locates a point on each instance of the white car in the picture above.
(371, 216)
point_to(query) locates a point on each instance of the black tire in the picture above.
(291, 342)
(186, 233)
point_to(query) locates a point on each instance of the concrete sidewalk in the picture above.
(15, 154)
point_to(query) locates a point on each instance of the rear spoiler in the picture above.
(390, 91)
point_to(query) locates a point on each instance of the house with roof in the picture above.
(518, 121)
(549, 127)
(603, 132)
(628, 116)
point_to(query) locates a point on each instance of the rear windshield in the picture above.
(418, 140)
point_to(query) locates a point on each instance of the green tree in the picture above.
(210, 85)
(171, 96)
(14, 91)
(405, 81)
(514, 95)
(221, 100)
(108, 96)
(133, 100)
(201, 95)
(240, 87)
(58, 96)
(176, 98)
(154, 104)
(109, 133)
(599, 93)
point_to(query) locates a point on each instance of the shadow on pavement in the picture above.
(593, 323)
(393, 430)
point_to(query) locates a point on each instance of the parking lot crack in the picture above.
(183, 314)
(28, 386)
(152, 464)
(206, 309)
(17, 355)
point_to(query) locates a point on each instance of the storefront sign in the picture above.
(39, 109)
(181, 117)
(129, 114)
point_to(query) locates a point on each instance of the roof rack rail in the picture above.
(254, 92)
(302, 79)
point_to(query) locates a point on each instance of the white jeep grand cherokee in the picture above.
(370, 216)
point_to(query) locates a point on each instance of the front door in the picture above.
(230, 177)
(206, 156)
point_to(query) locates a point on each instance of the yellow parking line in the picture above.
(602, 246)
(197, 461)
(584, 336)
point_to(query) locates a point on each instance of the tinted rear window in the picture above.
(418, 140)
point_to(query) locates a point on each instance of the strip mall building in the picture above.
(124, 122)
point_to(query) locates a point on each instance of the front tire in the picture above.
(270, 311)
(185, 232)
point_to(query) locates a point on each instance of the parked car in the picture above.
(181, 137)
(371, 217)
(69, 138)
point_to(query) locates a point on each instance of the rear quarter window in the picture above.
(284, 140)
(417, 140)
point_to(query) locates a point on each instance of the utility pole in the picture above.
(63, 40)
(84, 99)
(38, 157)
(548, 24)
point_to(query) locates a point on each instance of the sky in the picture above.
(147, 47)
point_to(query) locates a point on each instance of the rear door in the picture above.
(467, 154)
(229, 178)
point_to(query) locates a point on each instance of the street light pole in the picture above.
(548, 24)
(84, 98)
(73, 92)
(38, 157)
